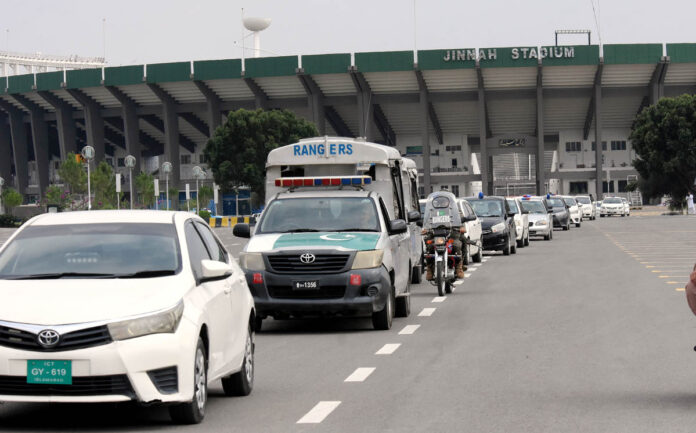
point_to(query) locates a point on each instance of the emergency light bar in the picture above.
(323, 181)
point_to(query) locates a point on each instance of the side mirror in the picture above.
(413, 216)
(214, 270)
(470, 218)
(398, 226)
(419, 223)
(509, 215)
(525, 212)
(241, 230)
(550, 210)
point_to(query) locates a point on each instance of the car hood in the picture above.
(76, 300)
(350, 241)
(488, 222)
(534, 217)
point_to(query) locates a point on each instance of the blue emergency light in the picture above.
(480, 195)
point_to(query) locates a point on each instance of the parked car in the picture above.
(627, 206)
(612, 206)
(586, 206)
(521, 222)
(473, 232)
(540, 218)
(497, 223)
(115, 306)
(559, 212)
(573, 210)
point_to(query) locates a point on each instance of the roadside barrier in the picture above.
(230, 221)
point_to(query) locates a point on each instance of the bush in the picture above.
(204, 214)
(10, 221)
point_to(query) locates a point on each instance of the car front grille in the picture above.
(323, 263)
(24, 340)
(166, 380)
(81, 387)
(324, 292)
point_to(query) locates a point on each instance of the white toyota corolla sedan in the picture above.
(109, 306)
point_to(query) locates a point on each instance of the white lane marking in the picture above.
(235, 245)
(319, 412)
(360, 374)
(438, 299)
(484, 260)
(478, 264)
(458, 282)
(426, 312)
(409, 329)
(467, 275)
(388, 349)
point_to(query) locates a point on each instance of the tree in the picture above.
(237, 151)
(145, 183)
(205, 193)
(11, 198)
(73, 174)
(664, 138)
(103, 186)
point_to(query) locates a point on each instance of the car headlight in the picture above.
(542, 223)
(158, 323)
(368, 259)
(500, 227)
(252, 261)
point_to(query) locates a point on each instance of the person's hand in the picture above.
(424, 231)
(462, 229)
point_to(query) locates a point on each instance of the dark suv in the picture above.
(497, 223)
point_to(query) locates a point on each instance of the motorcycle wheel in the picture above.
(440, 278)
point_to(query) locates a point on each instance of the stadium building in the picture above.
(502, 120)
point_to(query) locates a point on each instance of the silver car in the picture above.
(540, 218)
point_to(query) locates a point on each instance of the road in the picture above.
(589, 332)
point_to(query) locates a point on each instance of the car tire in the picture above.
(526, 239)
(547, 237)
(382, 320)
(566, 227)
(506, 250)
(513, 247)
(478, 257)
(416, 275)
(242, 382)
(520, 243)
(258, 323)
(193, 412)
(578, 224)
(466, 256)
(402, 307)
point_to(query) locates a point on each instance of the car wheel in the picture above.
(466, 259)
(513, 246)
(578, 224)
(520, 243)
(416, 275)
(258, 323)
(526, 239)
(382, 319)
(506, 250)
(479, 255)
(403, 304)
(547, 237)
(193, 412)
(242, 382)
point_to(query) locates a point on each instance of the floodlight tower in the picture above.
(256, 25)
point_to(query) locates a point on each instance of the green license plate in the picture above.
(49, 372)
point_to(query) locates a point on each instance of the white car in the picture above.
(521, 221)
(540, 218)
(587, 206)
(114, 306)
(473, 231)
(612, 206)
(627, 206)
(573, 210)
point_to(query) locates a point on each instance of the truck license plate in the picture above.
(305, 285)
(49, 372)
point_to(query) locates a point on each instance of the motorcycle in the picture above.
(443, 260)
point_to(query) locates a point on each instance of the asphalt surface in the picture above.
(588, 332)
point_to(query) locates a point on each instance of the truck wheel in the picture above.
(382, 320)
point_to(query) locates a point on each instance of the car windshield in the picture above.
(569, 201)
(555, 202)
(320, 214)
(97, 250)
(512, 204)
(614, 200)
(583, 200)
(487, 208)
(534, 207)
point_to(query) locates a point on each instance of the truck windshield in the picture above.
(320, 214)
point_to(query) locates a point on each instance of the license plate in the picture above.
(305, 285)
(49, 372)
(441, 219)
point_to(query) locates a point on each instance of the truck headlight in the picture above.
(158, 323)
(500, 227)
(368, 259)
(252, 261)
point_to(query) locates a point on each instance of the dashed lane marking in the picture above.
(467, 275)
(477, 264)
(388, 349)
(472, 269)
(426, 312)
(319, 412)
(458, 282)
(438, 299)
(679, 289)
(409, 329)
(674, 282)
(360, 374)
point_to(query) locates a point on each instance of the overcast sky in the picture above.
(152, 31)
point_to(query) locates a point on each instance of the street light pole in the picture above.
(130, 163)
(197, 173)
(167, 168)
(88, 154)
(2, 182)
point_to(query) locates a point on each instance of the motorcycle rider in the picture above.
(439, 202)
